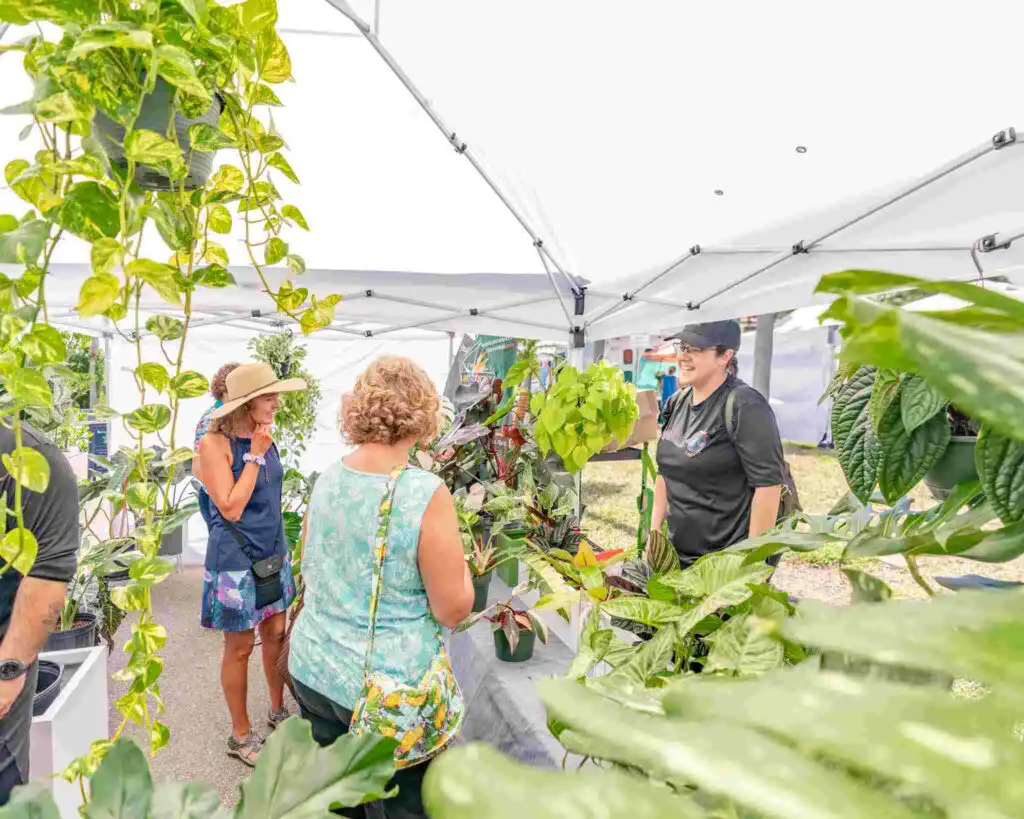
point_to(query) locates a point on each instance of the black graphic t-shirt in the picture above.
(711, 476)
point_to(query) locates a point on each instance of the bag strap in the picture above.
(730, 414)
(380, 552)
(236, 533)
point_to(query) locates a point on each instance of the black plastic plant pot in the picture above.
(524, 648)
(481, 585)
(82, 635)
(157, 110)
(956, 466)
(47, 686)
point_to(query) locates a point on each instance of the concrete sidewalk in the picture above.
(190, 686)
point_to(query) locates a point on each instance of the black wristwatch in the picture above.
(12, 669)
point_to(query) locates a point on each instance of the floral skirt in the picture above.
(229, 599)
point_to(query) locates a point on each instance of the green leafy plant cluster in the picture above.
(295, 420)
(293, 778)
(862, 720)
(94, 171)
(581, 413)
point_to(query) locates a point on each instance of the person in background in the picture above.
(218, 389)
(248, 581)
(718, 483)
(30, 604)
(425, 578)
(669, 385)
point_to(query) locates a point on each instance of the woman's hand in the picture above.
(261, 440)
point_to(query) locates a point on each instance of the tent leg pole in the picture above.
(451, 350)
(764, 341)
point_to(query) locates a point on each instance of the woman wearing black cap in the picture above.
(719, 481)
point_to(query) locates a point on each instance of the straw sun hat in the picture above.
(251, 381)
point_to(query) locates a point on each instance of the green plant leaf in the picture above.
(719, 758)
(110, 35)
(175, 65)
(192, 800)
(217, 255)
(919, 401)
(105, 255)
(889, 729)
(856, 444)
(882, 395)
(149, 418)
(296, 264)
(743, 648)
(272, 59)
(205, 137)
(904, 457)
(153, 374)
(263, 95)
(98, 294)
(19, 548)
(177, 456)
(660, 554)
(293, 213)
(165, 328)
(31, 801)
(276, 160)
(122, 788)
(24, 243)
(196, 9)
(90, 211)
(29, 389)
(141, 496)
(867, 588)
(44, 345)
(647, 661)
(219, 219)
(61, 107)
(189, 384)
(150, 570)
(296, 778)
(228, 178)
(161, 277)
(655, 613)
(1000, 463)
(156, 151)
(29, 468)
(277, 249)
(454, 789)
(213, 276)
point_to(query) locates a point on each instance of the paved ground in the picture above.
(195, 709)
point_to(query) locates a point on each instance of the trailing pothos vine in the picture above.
(110, 164)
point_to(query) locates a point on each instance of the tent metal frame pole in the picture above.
(1001, 140)
(551, 278)
(460, 147)
(629, 296)
(207, 322)
(373, 294)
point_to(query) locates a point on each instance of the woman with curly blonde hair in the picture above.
(416, 582)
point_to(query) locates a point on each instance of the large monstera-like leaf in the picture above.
(854, 434)
(1000, 463)
(905, 456)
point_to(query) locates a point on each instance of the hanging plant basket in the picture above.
(956, 466)
(156, 113)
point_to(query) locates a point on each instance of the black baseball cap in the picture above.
(711, 334)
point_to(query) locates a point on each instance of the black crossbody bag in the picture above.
(266, 573)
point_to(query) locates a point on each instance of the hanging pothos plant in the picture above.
(580, 413)
(129, 98)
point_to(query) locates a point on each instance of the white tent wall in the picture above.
(803, 361)
(336, 361)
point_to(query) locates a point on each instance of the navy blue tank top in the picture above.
(261, 524)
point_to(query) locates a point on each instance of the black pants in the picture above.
(330, 721)
(14, 734)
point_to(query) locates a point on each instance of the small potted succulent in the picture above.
(515, 633)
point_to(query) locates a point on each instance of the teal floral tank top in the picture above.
(328, 643)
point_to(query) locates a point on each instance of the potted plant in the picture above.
(515, 632)
(894, 429)
(47, 686)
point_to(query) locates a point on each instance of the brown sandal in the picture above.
(246, 751)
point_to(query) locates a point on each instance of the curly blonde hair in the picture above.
(393, 400)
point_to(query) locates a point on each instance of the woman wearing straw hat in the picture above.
(248, 581)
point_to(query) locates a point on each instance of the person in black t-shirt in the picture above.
(718, 483)
(31, 604)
